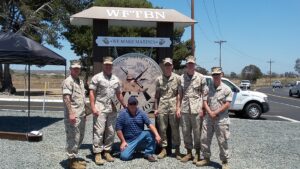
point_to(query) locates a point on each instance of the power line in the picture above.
(210, 22)
(217, 19)
(241, 53)
(189, 4)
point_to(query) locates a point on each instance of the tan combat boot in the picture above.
(72, 163)
(225, 165)
(204, 162)
(162, 154)
(76, 164)
(197, 156)
(82, 163)
(98, 159)
(187, 157)
(108, 157)
(177, 153)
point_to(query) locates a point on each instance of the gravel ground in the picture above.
(254, 144)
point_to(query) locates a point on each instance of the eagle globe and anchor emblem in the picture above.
(137, 73)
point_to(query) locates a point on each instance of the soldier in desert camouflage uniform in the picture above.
(166, 101)
(216, 120)
(104, 87)
(74, 102)
(193, 88)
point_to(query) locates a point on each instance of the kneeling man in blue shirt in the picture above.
(130, 130)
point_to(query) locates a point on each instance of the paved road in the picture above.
(282, 106)
(35, 106)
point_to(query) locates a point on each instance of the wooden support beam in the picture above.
(100, 28)
(20, 136)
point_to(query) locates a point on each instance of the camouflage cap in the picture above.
(216, 70)
(168, 60)
(75, 64)
(108, 60)
(190, 59)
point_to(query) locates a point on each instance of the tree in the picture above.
(201, 70)
(251, 72)
(297, 66)
(233, 75)
(37, 19)
(290, 74)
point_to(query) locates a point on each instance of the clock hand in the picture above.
(125, 71)
(143, 79)
(141, 86)
(146, 95)
(140, 75)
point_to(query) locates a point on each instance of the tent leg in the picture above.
(28, 106)
(65, 71)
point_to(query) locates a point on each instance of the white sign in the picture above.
(133, 41)
(147, 14)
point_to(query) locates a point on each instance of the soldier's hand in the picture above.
(124, 106)
(213, 114)
(178, 113)
(72, 118)
(95, 112)
(157, 139)
(201, 113)
(123, 145)
(155, 113)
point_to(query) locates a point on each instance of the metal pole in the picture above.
(25, 81)
(220, 57)
(193, 29)
(45, 91)
(28, 119)
(65, 71)
(270, 62)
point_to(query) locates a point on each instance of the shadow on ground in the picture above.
(231, 115)
(20, 124)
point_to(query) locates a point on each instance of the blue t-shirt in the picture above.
(132, 126)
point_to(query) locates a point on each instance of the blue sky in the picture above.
(255, 30)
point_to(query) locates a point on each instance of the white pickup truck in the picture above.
(245, 102)
(295, 89)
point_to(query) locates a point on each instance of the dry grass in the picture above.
(265, 81)
(38, 81)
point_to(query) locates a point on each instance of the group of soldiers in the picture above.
(200, 109)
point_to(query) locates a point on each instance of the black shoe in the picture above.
(151, 158)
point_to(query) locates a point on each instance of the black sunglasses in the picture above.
(132, 104)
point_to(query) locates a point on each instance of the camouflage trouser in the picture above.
(75, 134)
(104, 131)
(163, 120)
(222, 134)
(191, 123)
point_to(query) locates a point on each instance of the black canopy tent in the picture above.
(18, 49)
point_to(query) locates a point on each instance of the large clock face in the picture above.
(137, 73)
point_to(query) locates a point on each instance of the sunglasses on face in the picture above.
(133, 104)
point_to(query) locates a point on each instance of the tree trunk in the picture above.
(7, 85)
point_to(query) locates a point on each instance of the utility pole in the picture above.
(220, 43)
(270, 62)
(193, 28)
